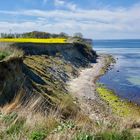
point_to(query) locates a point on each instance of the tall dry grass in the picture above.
(20, 121)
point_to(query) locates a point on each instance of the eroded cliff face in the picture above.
(76, 53)
(11, 78)
(43, 71)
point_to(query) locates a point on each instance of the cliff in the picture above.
(42, 71)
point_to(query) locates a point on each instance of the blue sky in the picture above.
(98, 19)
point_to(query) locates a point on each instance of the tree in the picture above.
(78, 35)
(62, 34)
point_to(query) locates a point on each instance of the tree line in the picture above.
(37, 34)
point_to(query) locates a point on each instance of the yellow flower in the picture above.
(33, 40)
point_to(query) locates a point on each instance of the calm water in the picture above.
(124, 78)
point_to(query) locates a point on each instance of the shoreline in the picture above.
(88, 93)
(119, 106)
(83, 88)
(88, 77)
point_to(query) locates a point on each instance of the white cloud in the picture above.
(96, 23)
(59, 2)
(65, 4)
(71, 6)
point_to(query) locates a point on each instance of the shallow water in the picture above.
(124, 78)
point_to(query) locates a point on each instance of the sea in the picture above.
(124, 78)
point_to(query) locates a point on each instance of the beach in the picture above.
(83, 88)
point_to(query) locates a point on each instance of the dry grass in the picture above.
(67, 107)
(65, 118)
(22, 122)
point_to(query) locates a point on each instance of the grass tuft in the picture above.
(83, 136)
(67, 107)
(16, 127)
(4, 54)
(38, 135)
(9, 53)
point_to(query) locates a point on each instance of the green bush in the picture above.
(84, 136)
(4, 54)
(64, 126)
(38, 135)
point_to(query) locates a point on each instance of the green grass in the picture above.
(4, 54)
(84, 136)
(64, 126)
(8, 52)
(16, 127)
(9, 118)
(38, 135)
(109, 135)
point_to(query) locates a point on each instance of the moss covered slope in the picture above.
(120, 107)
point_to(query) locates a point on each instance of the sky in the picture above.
(96, 19)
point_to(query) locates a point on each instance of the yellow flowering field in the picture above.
(33, 40)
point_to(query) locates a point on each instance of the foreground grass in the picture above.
(23, 123)
(52, 127)
(33, 40)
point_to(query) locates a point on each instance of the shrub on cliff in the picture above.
(4, 54)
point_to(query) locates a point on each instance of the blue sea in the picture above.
(124, 78)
